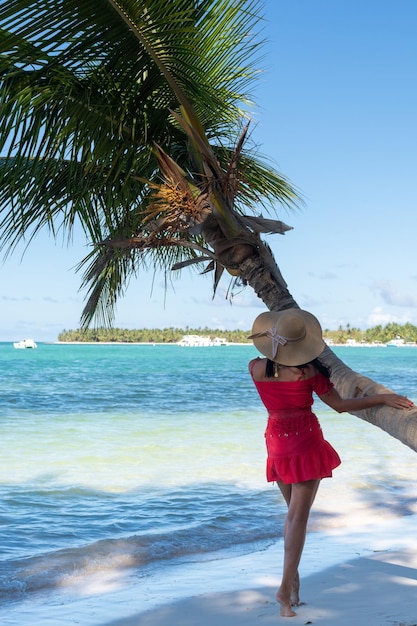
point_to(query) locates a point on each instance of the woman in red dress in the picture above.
(298, 455)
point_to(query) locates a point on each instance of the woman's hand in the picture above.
(397, 402)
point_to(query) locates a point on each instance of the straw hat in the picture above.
(290, 337)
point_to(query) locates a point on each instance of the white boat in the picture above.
(396, 343)
(351, 342)
(195, 341)
(24, 344)
(219, 341)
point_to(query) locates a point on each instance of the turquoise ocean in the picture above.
(136, 457)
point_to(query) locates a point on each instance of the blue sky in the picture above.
(337, 115)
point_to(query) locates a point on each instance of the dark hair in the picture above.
(269, 368)
(316, 363)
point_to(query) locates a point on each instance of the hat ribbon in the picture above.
(277, 339)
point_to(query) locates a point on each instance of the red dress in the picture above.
(297, 450)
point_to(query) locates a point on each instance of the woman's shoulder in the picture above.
(257, 367)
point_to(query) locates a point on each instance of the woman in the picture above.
(298, 455)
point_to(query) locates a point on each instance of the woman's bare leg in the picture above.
(295, 592)
(299, 498)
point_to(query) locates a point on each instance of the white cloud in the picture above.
(390, 295)
(16, 299)
(329, 276)
(379, 317)
(50, 300)
(308, 301)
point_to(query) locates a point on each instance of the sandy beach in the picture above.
(360, 571)
(370, 580)
(377, 590)
(359, 568)
(369, 591)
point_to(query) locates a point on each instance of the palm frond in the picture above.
(106, 278)
(263, 225)
(88, 87)
(188, 262)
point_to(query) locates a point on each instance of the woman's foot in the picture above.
(285, 602)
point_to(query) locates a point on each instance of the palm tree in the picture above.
(131, 118)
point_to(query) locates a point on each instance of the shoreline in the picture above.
(364, 578)
(373, 590)
(358, 567)
(137, 343)
(228, 343)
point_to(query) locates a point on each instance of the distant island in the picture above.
(342, 336)
(150, 335)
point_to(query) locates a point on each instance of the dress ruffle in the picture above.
(297, 450)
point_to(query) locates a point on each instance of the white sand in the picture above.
(376, 586)
(359, 568)
(370, 591)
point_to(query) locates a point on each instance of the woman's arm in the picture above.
(339, 404)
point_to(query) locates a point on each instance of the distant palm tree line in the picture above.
(149, 335)
(379, 333)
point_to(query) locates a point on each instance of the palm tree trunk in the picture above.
(401, 424)
(261, 272)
